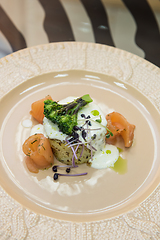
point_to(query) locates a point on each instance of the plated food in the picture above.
(74, 131)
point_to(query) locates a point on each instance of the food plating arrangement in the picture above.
(74, 131)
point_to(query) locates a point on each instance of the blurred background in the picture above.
(131, 25)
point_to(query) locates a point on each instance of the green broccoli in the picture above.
(65, 116)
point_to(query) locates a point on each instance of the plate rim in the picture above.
(29, 66)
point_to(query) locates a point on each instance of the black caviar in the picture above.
(68, 170)
(55, 176)
(54, 168)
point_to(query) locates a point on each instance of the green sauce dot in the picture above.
(120, 166)
(120, 149)
(95, 112)
(108, 151)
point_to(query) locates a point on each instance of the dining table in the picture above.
(79, 43)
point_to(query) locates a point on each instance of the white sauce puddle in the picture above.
(27, 123)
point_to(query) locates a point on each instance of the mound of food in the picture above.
(64, 154)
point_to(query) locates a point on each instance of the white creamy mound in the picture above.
(104, 155)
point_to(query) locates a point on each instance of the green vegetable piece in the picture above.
(87, 98)
(99, 120)
(65, 116)
(109, 133)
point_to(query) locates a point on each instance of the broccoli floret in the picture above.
(65, 116)
(66, 123)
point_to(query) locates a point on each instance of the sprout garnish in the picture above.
(55, 177)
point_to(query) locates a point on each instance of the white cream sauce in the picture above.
(106, 157)
(27, 123)
(38, 128)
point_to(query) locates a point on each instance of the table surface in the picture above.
(131, 25)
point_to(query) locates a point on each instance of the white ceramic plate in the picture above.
(115, 79)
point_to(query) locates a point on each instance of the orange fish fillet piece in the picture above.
(37, 109)
(37, 148)
(119, 125)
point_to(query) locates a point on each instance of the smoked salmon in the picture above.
(119, 125)
(37, 109)
(37, 148)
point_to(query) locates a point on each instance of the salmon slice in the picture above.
(31, 165)
(38, 149)
(119, 125)
(37, 109)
